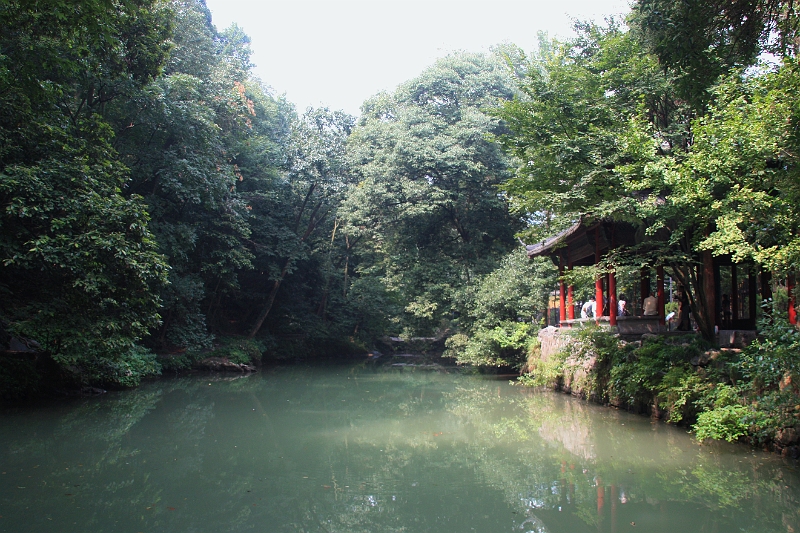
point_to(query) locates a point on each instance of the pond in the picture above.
(368, 449)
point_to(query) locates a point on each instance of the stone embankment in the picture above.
(573, 366)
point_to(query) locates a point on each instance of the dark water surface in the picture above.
(360, 449)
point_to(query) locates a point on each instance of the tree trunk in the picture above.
(270, 300)
(706, 319)
(322, 308)
(699, 284)
(162, 338)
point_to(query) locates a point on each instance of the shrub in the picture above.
(176, 362)
(239, 350)
(636, 376)
(506, 344)
(774, 354)
(681, 392)
(125, 370)
(770, 412)
(541, 373)
(727, 422)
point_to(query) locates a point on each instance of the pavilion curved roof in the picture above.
(579, 243)
(547, 246)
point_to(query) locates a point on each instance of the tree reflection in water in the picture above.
(351, 449)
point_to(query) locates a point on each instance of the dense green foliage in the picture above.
(135, 143)
(696, 147)
(425, 204)
(701, 40)
(157, 198)
(577, 135)
(81, 270)
(504, 312)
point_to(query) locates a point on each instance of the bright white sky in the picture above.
(338, 53)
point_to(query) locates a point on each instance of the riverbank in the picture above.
(747, 395)
(33, 373)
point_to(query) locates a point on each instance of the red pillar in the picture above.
(601, 497)
(598, 282)
(570, 299)
(660, 293)
(612, 298)
(598, 296)
(792, 309)
(562, 301)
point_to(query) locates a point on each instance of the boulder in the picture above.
(221, 364)
(787, 437)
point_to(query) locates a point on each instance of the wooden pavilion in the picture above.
(731, 287)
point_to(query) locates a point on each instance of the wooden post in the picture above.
(660, 294)
(644, 288)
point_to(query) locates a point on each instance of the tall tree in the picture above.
(184, 136)
(579, 132)
(426, 196)
(315, 180)
(602, 133)
(742, 171)
(80, 272)
(700, 40)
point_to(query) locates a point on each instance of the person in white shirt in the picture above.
(589, 308)
(622, 306)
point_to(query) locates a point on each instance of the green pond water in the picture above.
(366, 449)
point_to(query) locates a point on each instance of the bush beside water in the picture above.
(748, 395)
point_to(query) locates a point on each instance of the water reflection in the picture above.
(361, 449)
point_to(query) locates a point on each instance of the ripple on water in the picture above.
(356, 449)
